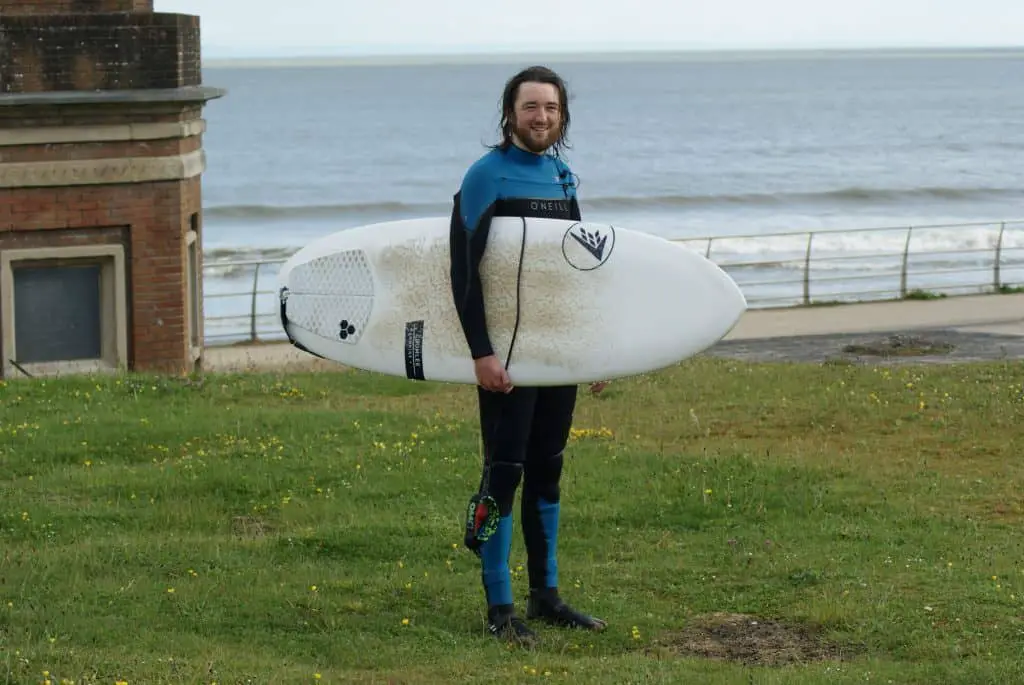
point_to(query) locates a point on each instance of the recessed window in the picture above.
(58, 312)
(64, 310)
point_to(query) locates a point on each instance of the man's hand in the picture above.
(491, 375)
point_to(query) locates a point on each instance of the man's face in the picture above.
(537, 116)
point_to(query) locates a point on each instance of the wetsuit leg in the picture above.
(552, 419)
(540, 508)
(505, 423)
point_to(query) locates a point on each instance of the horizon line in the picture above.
(608, 54)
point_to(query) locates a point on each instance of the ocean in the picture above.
(683, 146)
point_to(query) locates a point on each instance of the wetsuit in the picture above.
(525, 431)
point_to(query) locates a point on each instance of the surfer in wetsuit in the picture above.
(524, 429)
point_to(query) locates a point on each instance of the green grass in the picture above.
(264, 529)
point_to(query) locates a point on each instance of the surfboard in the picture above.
(566, 302)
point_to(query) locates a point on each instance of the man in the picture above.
(524, 429)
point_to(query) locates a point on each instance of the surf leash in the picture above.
(519, 295)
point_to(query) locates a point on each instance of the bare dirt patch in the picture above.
(940, 346)
(900, 346)
(750, 640)
(250, 527)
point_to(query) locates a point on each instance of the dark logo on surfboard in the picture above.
(594, 243)
(414, 350)
(586, 248)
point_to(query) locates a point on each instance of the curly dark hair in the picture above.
(534, 74)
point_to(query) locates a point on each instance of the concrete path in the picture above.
(976, 313)
(980, 316)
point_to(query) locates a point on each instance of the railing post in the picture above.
(707, 252)
(904, 267)
(252, 310)
(996, 281)
(807, 269)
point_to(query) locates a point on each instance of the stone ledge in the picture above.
(183, 95)
(102, 171)
(48, 135)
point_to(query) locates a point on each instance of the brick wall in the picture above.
(22, 7)
(97, 47)
(151, 221)
(51, 52)
(99, 114)
(55, 152)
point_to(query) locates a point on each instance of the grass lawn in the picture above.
(733, 522)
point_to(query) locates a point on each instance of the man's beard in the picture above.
(536, 141)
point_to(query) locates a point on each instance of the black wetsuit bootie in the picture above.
(547, 606)
(504, 624)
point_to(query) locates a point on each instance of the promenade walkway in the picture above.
(990, 323)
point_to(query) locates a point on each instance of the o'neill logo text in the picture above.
(589, 247)
(550, 206)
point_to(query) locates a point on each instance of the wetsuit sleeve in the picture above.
(574, 209)
(470, 223)
(565, 173)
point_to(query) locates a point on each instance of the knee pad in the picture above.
(492, 503)
(542, 477)
(503, 479)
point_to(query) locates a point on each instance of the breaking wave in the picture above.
(841, 197)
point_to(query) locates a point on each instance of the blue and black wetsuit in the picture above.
(525, 431)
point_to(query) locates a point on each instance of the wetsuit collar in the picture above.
(521, 156)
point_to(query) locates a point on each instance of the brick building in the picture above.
(101, 157)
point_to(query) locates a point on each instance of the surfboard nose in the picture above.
(731, 297)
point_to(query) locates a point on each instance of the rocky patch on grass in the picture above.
(883, 348)
(900, 346)
(750, 640)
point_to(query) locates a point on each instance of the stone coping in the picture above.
(183, 95)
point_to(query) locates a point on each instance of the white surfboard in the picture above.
(566, 302)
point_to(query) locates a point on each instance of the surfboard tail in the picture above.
(283, 314)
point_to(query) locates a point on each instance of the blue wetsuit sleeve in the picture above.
(470, 223)
(569, 181)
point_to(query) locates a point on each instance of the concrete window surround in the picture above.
(113, 307)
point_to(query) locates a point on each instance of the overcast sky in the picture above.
(339, 27)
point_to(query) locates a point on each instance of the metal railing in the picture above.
(795, 268)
